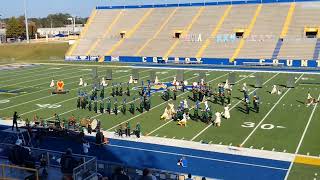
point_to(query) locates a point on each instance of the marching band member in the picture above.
(244, 87)
(206, 105)
(103, 82)
(174, 80)
(183, 121)
(52, 83)
(202, 82)
(81, 82)
(130, 79)
(279, 92)
(309, 98)
(156, 81)
(165, 115)
(274, 89)
(227, 85)
(226, 113)
(217, 121)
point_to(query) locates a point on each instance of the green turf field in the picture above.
(284, 123)
(35, 52)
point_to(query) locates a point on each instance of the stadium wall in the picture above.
(206, 61)
(210, 3)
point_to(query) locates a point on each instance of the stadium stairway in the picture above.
(150, 31)
(295, 43)
(277, 49)
(316, 50)
(264, 35)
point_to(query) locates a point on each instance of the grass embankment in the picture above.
(34, 52)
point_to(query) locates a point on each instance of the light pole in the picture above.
(73, 22)
(26, 20)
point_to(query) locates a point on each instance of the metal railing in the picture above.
(17, 172)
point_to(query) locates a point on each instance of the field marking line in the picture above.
(137, 98)
(265, 117)
(199, 157)
(153, 107)
(192, 107)
(32, 75)
(33, 79)
(51, 96)
(302, 137)
(207, 127)
(105, 98)
(49, 80)
(51, 88)
(25, 71)
(62, 101)
(73, 97)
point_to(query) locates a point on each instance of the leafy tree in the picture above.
(14, 28)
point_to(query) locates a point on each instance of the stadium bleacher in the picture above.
(267, 31)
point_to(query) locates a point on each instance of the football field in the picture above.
(284, 123)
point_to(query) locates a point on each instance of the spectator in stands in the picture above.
(203, 178)
(43, 165)
(99, 137)
(119, 174)
(146, 175)
(15, 120)
(15, 154)
(189, 177)
(85, 147)
(29, 161)
(68, 163)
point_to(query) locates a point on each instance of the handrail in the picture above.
(3, 166)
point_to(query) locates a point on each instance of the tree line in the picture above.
(16, 25)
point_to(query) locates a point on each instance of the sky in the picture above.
(82, 8)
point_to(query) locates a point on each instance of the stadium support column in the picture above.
(26, 20)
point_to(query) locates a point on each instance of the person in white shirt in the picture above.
(81, 82)
(217, 121)
(274, 89)
(226, 113)
(52, 83)
(85, 147)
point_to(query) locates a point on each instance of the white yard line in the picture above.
(71, 98)
(154, 107)
(25, 72)
(200, 157)
(34, 85)
(51, 88)
(302, 137)
(50, 96)
(265, 117)
(190, 108)
(42, 77)
(106, 97)
(207, 127)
